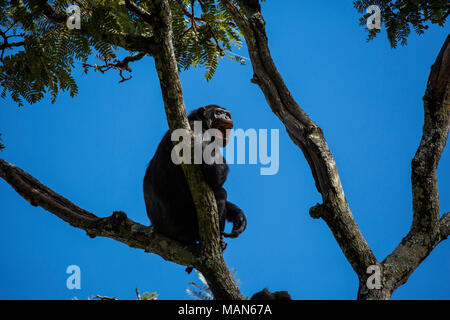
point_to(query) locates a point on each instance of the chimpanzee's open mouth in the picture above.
(223, 127)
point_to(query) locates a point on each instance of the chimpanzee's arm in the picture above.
(237, 217)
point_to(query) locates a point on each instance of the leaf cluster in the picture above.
(400, 16)
(203, 32)
(50, 51)
(45, 62)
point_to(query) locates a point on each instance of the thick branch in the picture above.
(305, 134)
(427, 230)
(445, 226)
(117, 226)
(435, 133)
(207, 258)
(212, 264)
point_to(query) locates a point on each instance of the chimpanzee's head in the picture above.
(214, 117)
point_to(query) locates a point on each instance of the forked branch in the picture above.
(305, 134)
(427, 230)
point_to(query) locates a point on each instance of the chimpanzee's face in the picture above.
(220, 119)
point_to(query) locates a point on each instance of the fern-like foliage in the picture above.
(400, 16)
(45, 62)
(203, 33)
(49, 51)
(148, 296)
(201, 290)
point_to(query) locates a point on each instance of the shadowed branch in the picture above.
(427, 230)
(117, 226)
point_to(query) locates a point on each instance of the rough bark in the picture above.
(207, 258)
(117, 226)
(427, 230)
(211, 262)
(305, 134)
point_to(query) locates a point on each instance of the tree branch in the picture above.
(99, 297)
(207, 257)
(121, 65)
(427, 230)
(435, 133)
(117, 226)
(188, 14)
(12, 44)
(305, 134)
(139, 11)
(212, 264)
(445, 226)
(6, 44)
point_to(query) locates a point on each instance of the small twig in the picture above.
(103, 298)
(243, 59)
(7, 45)
(186, 31)
(194, 26)
(188, 14)
(222, 52)
(193, 18)
(139, 11)
(16, 35)
(10, 27)
(121, 65)
(138, 295)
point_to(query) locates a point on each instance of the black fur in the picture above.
(167, 196)
(267, 295)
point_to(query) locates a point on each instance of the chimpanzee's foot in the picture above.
(223, 243)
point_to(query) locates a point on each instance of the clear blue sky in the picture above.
(94, 149)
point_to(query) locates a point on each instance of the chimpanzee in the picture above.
(166, 192)
(267, 295)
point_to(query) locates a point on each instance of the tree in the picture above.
(146, 28)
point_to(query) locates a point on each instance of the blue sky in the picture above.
(94, 148)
